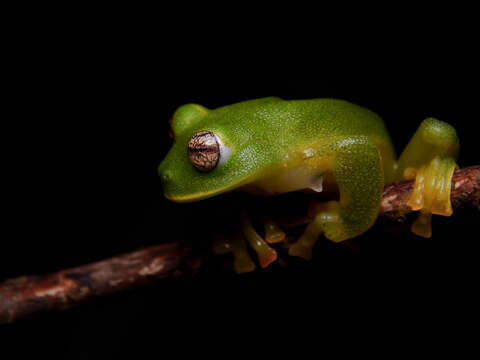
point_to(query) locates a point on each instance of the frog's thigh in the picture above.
(359, 176)
(358, 172)
(430, 158)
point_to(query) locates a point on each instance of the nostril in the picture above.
(165, 176)
(165, 173)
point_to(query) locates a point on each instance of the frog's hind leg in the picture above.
(359, 175)
(304, 245)
(429, 158)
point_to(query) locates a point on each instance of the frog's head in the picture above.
(214, 151)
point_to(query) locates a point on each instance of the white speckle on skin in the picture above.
(307, 153)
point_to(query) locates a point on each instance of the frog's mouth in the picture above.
(181, 182)
(189, 198)
(200, 195)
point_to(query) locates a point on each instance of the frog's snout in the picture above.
(166, 180)
(168, 184)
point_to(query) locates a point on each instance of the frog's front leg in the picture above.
(429, 158)
(236, 244)
(265, 253)
(273, 233)
(356, 165)
(242, 262)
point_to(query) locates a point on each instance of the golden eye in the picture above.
(204, 150)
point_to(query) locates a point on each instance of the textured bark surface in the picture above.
(23, 296)
(465, 192)
(27, 295)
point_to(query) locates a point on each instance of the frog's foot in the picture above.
(273, 233)
(246, 233)
(236, 245)
(317, 210)
(431, 192)
(265, 253)
(304, 245)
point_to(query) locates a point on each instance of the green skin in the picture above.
(279, 146)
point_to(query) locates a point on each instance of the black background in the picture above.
(90, 126)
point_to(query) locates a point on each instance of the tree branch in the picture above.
(465, 192)
(27, 295)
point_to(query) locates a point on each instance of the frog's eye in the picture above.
(204, 150)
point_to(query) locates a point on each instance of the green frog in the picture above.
(272, 146)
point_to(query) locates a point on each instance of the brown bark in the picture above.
(465, 192)
(23, 296)
(27, 295)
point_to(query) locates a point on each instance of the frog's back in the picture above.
(302, 119)
(287, 125)
(320, 118)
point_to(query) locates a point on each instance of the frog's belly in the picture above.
(291, 179)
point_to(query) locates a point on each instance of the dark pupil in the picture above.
(198, 149)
